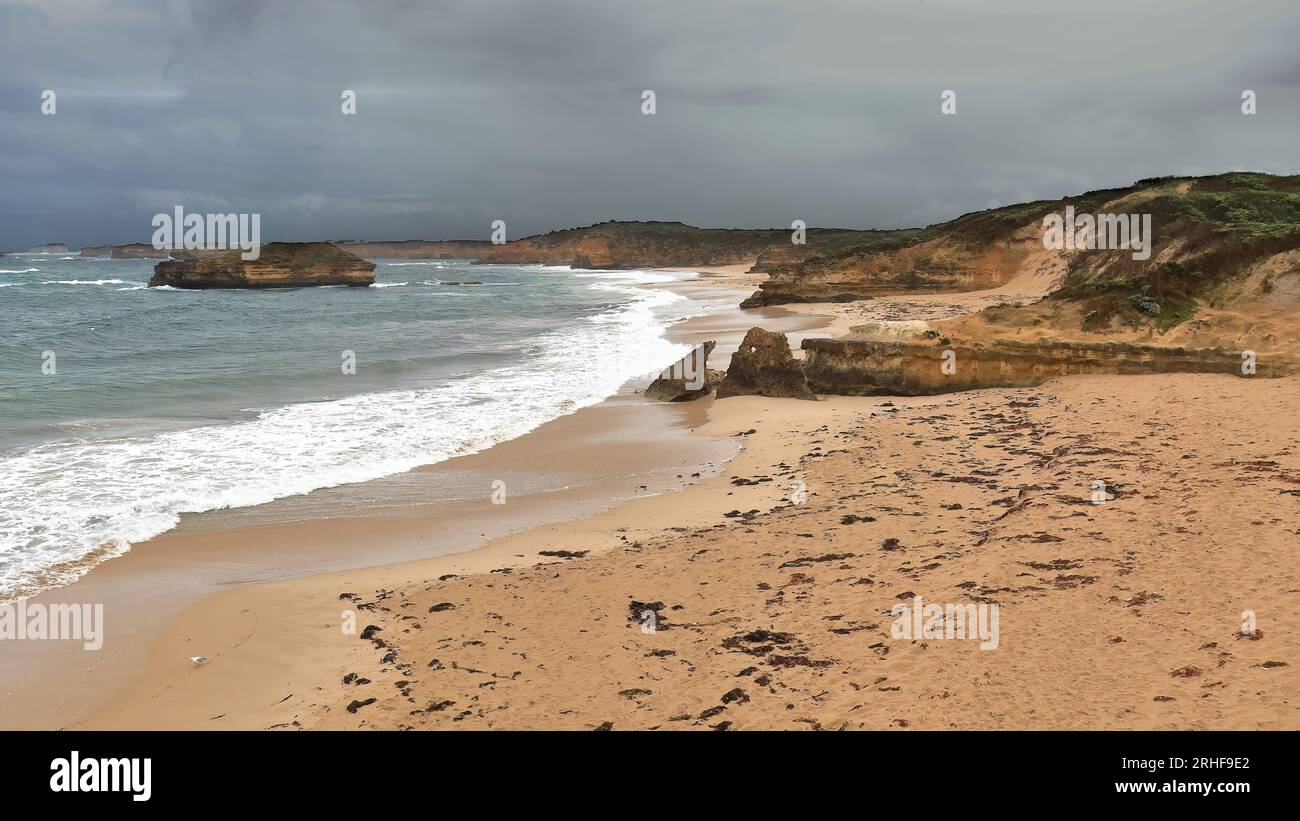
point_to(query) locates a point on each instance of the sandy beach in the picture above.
(776, 615)
(770, 538)
(496, 372)
(568, 469)
(779, 617)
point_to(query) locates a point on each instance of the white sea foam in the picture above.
(85, 282)
(640, 277)
(16, 271)
(387, 284)
(69, 504)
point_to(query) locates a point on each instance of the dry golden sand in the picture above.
(1124, 614)
(156, 597)
(737, 276)
(776, 615)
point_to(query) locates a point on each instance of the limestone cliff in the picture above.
(622, 245)
(51, 248)
(137, 250)
(1209, 235)
(764, 365)
(416, 249)
(280, 265)
(870, 367)
(614, 245)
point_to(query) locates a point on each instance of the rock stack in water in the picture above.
(764, 366)
(279, 265)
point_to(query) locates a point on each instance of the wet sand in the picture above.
(773, 580)
(572, 467)
(774, 609)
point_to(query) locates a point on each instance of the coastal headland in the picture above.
(1099, 446)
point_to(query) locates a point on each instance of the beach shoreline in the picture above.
(773, 585)
(772, 547)
(556, 472)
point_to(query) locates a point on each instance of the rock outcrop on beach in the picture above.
(137, 250)
(764, 366)
(416, 249)
(280, 265)
(688, 378)
(51, 248)
(1216, 277)
(868, 367)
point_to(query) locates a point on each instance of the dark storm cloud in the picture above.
(529, 111)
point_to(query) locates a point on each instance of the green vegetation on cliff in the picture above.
(1208, 233)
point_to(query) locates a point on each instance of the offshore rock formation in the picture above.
(688, 378)
(416, 249)
(280, 265)
(51, 248)
(764, 366)
(856, 367)
(135, 250)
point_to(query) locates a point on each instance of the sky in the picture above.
(530, 111)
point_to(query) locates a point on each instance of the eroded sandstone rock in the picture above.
(856, 367)
(136, 250)
(764, 366)
(280, 265)
(416, 249)
(620, 245)
(687, 378)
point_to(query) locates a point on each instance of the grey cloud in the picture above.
(529, 111)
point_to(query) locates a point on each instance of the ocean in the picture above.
(123, 407)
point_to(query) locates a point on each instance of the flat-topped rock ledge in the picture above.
(867, 367)
(136, 250)
(280, 265)
(49, 248)
(415, 249)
